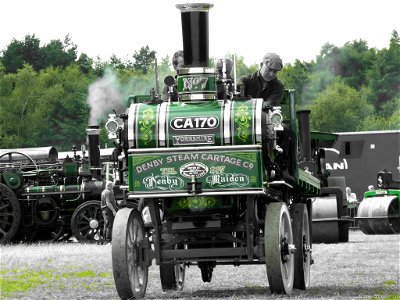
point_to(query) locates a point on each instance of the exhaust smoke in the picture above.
(104, 96)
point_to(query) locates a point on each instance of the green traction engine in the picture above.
(204, 176)
(44, 197)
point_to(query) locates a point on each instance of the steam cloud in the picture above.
(104, 96)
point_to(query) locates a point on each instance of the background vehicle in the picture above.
(43, 197)
(379, 211)
(204, 172)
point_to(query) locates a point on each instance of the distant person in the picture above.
(177, 64)
(109, 209)
(265, 84)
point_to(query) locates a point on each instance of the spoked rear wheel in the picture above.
(129, 270)
(279, 248)
(301, 238)
(172, 276)
(10, 214)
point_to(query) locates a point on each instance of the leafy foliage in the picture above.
(339, 108)
(44, 90)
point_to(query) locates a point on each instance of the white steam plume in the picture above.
(104, 96)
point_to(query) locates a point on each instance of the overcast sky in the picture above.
(295, 29)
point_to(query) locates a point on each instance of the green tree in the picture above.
(379, 122)
(144, 59)
(384, 76)
(339, 108)
(295, 77)
(352, 61)
(59, 54)
(12, 58)
(21, 112)
(85, 63)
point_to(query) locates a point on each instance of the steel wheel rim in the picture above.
(83, 219)
(137, 273)
(287, 256)
(279, 248)
(306, 249)
(179, 275)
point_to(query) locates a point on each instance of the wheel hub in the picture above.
(94, 223)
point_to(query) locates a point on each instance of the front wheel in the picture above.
(129, 270)
(279, 248)
(87, 222)
(301, 238)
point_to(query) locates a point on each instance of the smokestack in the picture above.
(93, 136)
(194, 18)
(303, 117)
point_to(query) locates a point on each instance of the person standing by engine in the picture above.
(109, 209)
(265, 84)
(177, 64)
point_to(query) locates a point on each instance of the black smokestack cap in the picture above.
(194, 18)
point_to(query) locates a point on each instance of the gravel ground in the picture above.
(368, 267)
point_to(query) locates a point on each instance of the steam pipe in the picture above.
(303, 117)
(194, 17)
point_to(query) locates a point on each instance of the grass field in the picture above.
(368, 267)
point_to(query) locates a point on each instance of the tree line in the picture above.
(48, 93)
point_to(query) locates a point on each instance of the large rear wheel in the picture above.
(301, 238)
(172, 275)
(279, 248)
(129, 270)
(10, 214)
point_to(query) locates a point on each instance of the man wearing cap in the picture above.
(109, 210)
(265, 84)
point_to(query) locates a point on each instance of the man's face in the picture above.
(179, 63)
(268, 73)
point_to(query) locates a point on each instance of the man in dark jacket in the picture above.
(109, 210)
(265, 84)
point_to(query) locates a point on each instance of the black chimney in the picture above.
(93, 141)
(304, 133)
(194, 18)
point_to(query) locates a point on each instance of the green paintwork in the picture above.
(53, 188)
(13, 180)
(199, 204)
(217, 170)
(147, 120)
(243, 118)
(309, 184)
(375, 193)
(193, 119)
(197, 83)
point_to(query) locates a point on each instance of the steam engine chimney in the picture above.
(194, 18)
(93, 141)
(304, 132)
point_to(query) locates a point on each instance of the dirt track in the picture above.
(367, 266)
